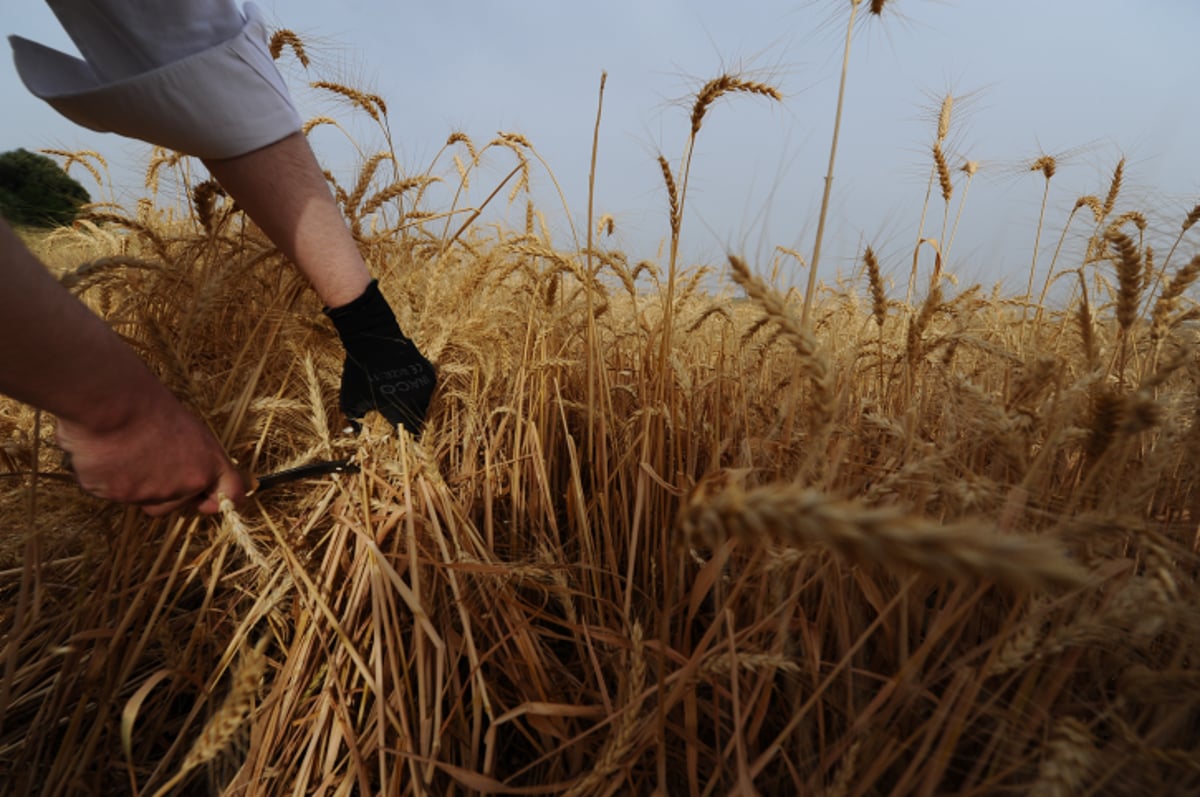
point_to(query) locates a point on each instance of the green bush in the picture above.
(35, 192)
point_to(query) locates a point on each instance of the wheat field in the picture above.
(673, 530)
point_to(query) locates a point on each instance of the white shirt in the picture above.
(193, 76)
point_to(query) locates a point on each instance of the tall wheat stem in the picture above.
(591, 319)
(837, 123)
(970, 168)
(1037, 318)
(1188, 223)
(1046, 166)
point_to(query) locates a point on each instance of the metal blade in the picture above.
(308, 471)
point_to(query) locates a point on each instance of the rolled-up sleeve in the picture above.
(219, 101)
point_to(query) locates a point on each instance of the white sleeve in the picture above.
(174, 78)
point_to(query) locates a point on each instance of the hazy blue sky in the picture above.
(1092, 79)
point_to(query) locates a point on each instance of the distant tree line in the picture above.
(35, 192)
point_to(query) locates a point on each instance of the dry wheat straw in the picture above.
(1114, 189)
(1087, 333)
(812, 362)
(159, 159)
(459, 137)
(617, 748)
(1148, 271)
(515, 139)
(730, 662)
(317, 121)
(878, 297)
(365, 175)
(818, 242)
(287, 38)
(1020, 648)
(943, 172)
(223, 726)
(672, 193)
(727, 84)
(840, 786)
(84, 158)
(91, 273)
(1144, 685)
(1191, 218)
(372, 104)
(205, 196)
(233, 526)
(914, 348)
(1136, 216)
(394, 190)
(1139, 610)
(1046, 164)
(943, 125)
(1129, 274)
(714, 310)
(1069, 757)
(1168, 300)
(1093, 203)
(787, 515)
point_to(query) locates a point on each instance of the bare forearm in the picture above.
(130, 440)
(283, 190)
(55, 354)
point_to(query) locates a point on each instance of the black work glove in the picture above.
(383, 371)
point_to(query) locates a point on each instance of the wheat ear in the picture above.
(224, 724)
(287, 38)
(1070, 754)
(1129, 275)
(789, 516)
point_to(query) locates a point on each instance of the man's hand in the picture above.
(160, 457)
(383, 371)
(129, 438)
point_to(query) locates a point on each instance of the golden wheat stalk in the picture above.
(1129, 275)
(223, 726)
(372, 104)
(914, 346)
(1114, 189)
(1168, 300)
(365, 175)
(88, 274)
(287, 38)
(727, 84)
(1093, 203)
(1191, 218)
(943, 125)
(787, 515)
(1163, 687)
(813, 363)
(1046, 164)
(943, 172)
(459, 137)
(621, 742)
(158, 160)
(1070, 755)
(84, 158)
(672, 193)
(394, 190)
(204, 197)
(875, 278)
